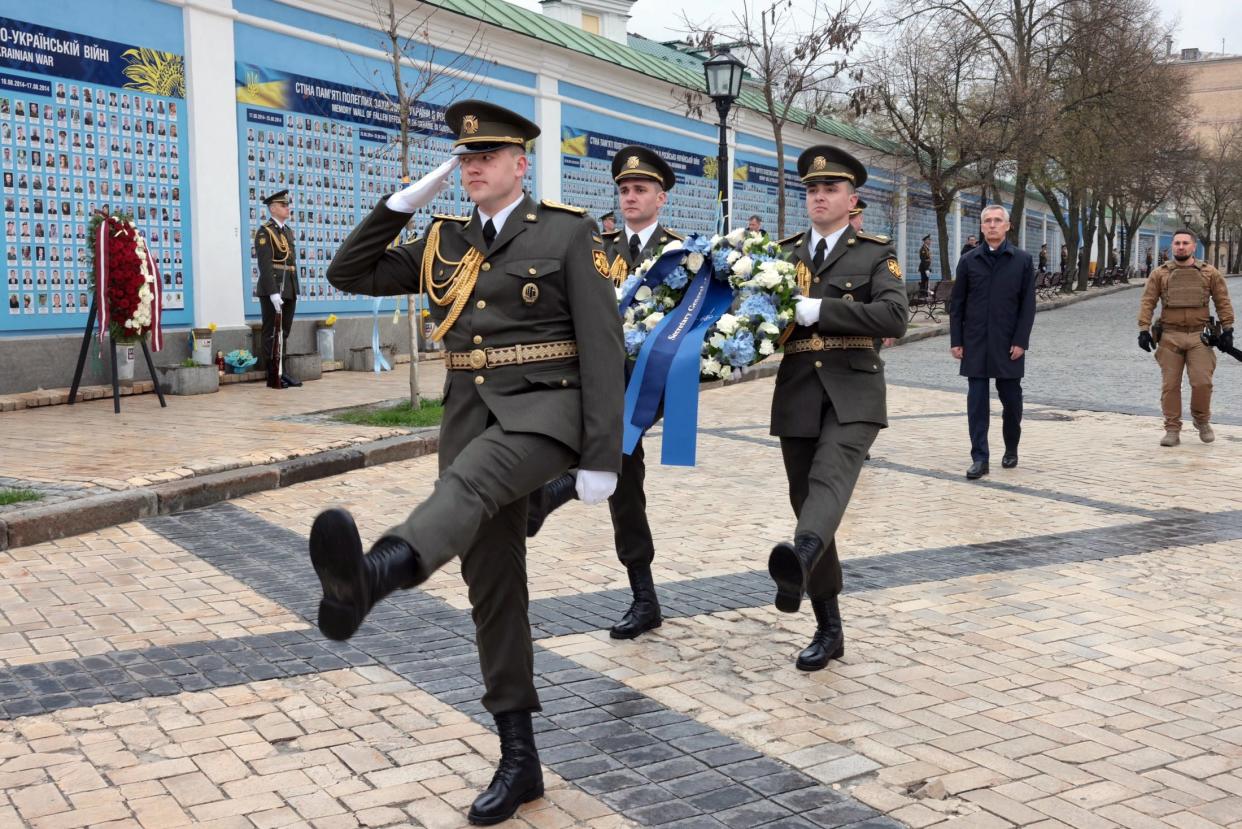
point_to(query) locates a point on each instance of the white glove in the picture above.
(594, 487)
(807, 311)
(276, 302)
(422, 192)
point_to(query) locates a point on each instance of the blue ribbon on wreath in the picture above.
(668, 364)
(378, 362)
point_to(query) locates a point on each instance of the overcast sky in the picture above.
(1200, 23)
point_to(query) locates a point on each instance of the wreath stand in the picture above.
(116, 388)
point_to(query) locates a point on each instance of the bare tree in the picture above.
(795, 61)
(938, 101)
(418, 70)
(1212, 194)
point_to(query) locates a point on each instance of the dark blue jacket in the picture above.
(992, 307)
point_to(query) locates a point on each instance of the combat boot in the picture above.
(548, 499)
(518, 778)
(1205, 432)
(1171, 438)
(644, 612)
(829, 639)
(352, 582)
(790, 566)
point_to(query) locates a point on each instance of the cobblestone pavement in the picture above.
(1082, 356)
(1054, 646)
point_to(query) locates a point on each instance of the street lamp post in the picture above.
(724, 83)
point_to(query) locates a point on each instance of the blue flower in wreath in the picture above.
(698, 244)
(630, 282)
(758, 305)
(678, 278)
(634, 339)
(739, 349)
(720, 260)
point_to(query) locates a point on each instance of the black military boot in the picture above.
(644, 612)
(790, 566)
(518, 778)
(548, 499)
(829, 639)
(353, 583)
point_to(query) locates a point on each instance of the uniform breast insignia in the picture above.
(894, 268)
(803, 275)
(262, 241)
(530, 293)
(601, 263)
(568, 208)
(618, 270)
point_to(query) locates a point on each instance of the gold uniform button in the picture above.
(477, 339)
(486, 266)
(818, 364)
(532, 271)
(478, 381)
(481, 304)
(848, 297)
(564, 382)
(816, 280)
(849, 284)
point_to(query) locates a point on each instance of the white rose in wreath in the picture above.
(743, 266)
(766, 348)
(693, 262)
(673, 245)
(727, 324)
(653, 320)
(643, 293)
(736, 236)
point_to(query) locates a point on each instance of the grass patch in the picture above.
(16, 496)
(403, 414)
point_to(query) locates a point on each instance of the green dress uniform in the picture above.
(534, 385)
(829, 401)
(628, 503)
(277, 256)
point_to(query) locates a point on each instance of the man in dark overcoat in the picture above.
(991, 311)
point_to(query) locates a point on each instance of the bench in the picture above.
(933, 301)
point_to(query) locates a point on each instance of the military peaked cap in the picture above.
(481, 127)
(825, 163)
(857, 209)
(640, 162)
(279, 197)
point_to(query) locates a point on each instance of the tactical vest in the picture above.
(1186, 288)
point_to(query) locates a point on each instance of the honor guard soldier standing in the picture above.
(521, 295)
(277, 288)
(829, 401)
(925, 264)
(643, 181)
(1183, 285)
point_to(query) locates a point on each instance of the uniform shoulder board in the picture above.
(445, 217)
(797, 237)
(568, 208)
(680, 237)
(610, 234)
(876, 237)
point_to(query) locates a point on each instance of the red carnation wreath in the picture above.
(127, 280)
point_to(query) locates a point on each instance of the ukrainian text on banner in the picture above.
(80, 57)
(765, 176)
(274, 89)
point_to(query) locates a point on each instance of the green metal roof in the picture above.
(660, 66)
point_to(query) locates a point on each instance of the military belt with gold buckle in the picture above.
(284, 267)
(818, 343)
(514, 355)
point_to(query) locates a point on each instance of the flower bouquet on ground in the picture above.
(127, 280)
(672, 309)
(240, 360)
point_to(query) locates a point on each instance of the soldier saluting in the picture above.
(829, 401)
(521, 295)
(643, 180)
(277, 288)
